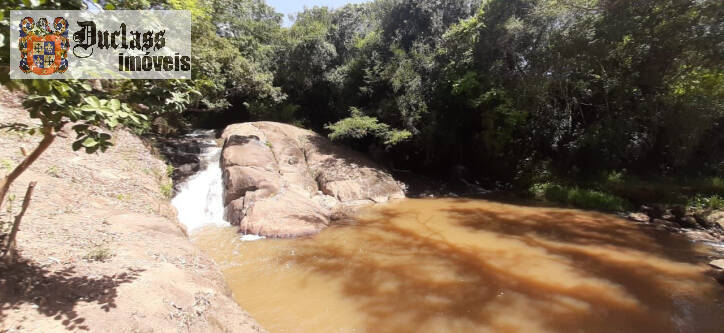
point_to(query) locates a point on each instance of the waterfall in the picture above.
(199, 201)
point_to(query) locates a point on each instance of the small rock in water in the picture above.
(700, 236)
(703, 221)
(657, 211)
(668, 217)
(716, 217)
(678, 211)
(719, 264)
(639, 217)
(688, 222)
(664, 223)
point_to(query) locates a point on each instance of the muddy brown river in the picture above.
(449, 265)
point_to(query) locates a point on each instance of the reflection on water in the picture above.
(472, 266)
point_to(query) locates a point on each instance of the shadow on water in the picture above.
(551, 270)
(57, 293)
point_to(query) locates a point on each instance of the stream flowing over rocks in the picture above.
(284, 181)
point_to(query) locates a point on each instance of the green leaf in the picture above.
(93, 101)
(89, 142)
(77, 145)
(111, 122)
(41, 86)
(114, 104)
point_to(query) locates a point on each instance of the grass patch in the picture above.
(99, 253)
(579, 197)
(657, 189)
(7, 165)
(123, 197)
(167, 189)
(6, 225)
(707, 202)
(53, 171)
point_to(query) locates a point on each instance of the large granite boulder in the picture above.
(284, 181)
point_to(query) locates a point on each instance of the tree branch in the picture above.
(49, 137)
(10, 242)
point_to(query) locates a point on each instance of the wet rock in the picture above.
(719, 276)
(716, 219)
(185, 170)
(664, 224)
(182, 144)
(639, 217)
(284, 181)
(181, 158)
(658, 211)
(700, 236)
(718, 264)
(702, 219)
(678, 211)
(668, 217)
(688, 222)
(183, 154)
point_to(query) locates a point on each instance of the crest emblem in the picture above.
(43, 51)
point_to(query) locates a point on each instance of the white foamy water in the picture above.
(251, 238)
(199, 201)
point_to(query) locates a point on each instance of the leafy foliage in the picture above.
(508, 86)
(59, 103)
(579, 197)
(512, 89)
(359, 126)
(708, 202)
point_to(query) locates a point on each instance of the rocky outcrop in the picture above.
(680, 217)
(714, 219)
(183, 154)
(284, 181)
(100, 249)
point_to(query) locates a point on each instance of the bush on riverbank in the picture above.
(708, 202)
(617, 191)
(579, 197)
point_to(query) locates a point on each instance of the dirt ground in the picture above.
(100, 249)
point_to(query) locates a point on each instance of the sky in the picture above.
(287, 7)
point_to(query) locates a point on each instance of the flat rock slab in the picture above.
(284, 181)
(717, 263)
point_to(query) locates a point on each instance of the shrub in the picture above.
(579, 197)
(100, 253)
(707, 202)
(169, 170)
(53, 171)
(167, 189)
(359, 126)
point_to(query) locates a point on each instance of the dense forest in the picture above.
(515, 92)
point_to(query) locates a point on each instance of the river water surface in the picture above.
(453, 265)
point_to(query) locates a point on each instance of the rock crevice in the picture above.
(284, 181)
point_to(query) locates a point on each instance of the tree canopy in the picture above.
(505, 87)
